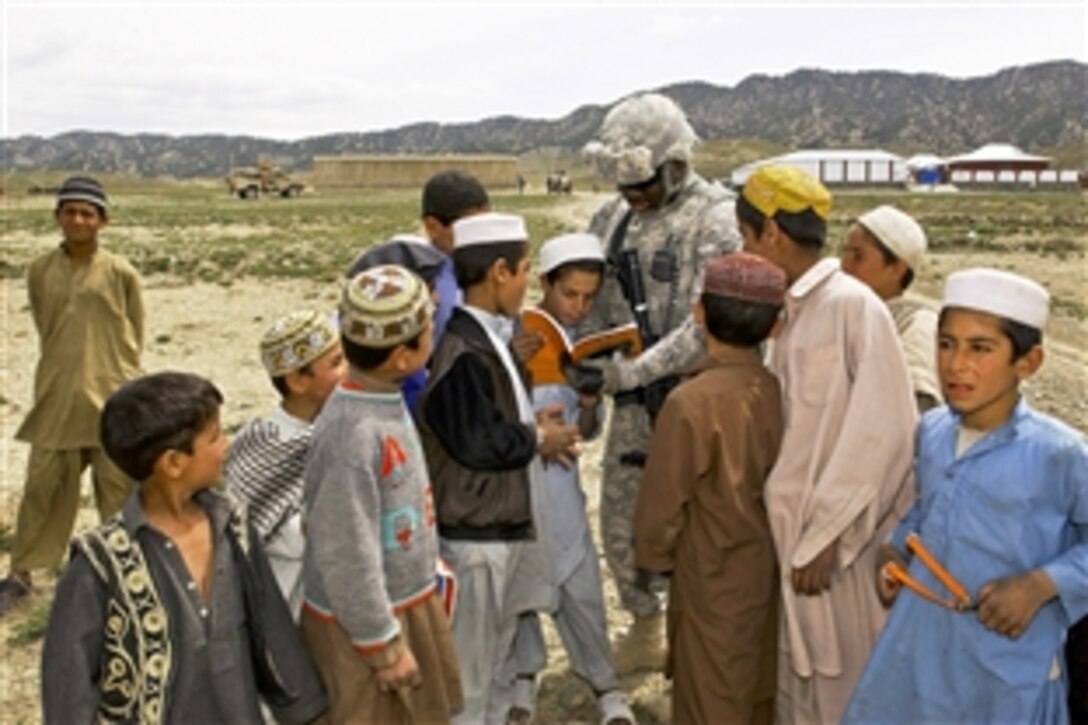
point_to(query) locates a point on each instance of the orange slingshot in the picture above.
(892, 571)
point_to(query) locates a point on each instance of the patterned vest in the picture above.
(136, 660)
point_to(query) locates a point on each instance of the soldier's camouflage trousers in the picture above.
(628, 432)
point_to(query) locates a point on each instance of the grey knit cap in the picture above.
(82, 188)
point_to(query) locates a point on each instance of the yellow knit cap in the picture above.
(786, 188)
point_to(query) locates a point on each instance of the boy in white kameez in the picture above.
(571, 268)
(302, 354)
(849, 417)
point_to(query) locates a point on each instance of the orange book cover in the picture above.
(546, 366)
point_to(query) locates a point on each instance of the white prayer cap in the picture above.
(897, 231)
(488, 228)
(1000, 293)
(570, 248)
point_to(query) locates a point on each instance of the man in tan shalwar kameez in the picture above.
(840, 479)
(700, 512)
(89, 314)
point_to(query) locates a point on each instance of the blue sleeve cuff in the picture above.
(1071, 582)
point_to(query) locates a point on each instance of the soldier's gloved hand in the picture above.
(611, 375)
(586, 379)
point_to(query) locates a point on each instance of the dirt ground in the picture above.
(213, 329)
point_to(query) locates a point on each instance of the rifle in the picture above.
(629, 275)
(651, 397)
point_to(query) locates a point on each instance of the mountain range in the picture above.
(1035, 106)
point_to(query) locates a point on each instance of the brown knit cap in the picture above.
(745, 277)
(384, 307)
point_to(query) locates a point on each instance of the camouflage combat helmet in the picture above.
(637, 136)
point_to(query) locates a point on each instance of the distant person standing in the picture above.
(447, 197)
(884, 249)
(89, 314)
(667, 220)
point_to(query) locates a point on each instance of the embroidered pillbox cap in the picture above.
(296, 340)
(82, 188)
(406, 250)
(775, 188)
(745, 277)
(384, 306)
(578, 247)
(488, 228)
(897, 231)
(999, 293)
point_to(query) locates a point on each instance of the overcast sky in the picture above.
(291, 70)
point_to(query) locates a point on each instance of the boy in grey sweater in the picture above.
(377, 631)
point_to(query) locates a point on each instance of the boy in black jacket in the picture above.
(481, 438)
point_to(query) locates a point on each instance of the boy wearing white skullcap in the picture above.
(302, 355)
(484, 445)
(884, 248)
(1003, 506)
(371, 614)
(571, 268)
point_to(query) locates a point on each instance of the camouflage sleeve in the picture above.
(683, 347)
(718, 234)
(675, 353)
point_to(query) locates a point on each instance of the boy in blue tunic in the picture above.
(1003, 505)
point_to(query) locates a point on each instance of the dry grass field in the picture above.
(218, 270)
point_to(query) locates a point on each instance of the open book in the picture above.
(546, 366)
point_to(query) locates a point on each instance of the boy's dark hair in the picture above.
(889, 257)
(590, 266)
(85, 189)
(368, 358)
(449, 195)
(806, 228)
(148, 416)
(1022, 337)
(279, 382)
(738, 322)
(470, 264)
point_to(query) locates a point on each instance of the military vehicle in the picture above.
(559, 183)
(249, 182)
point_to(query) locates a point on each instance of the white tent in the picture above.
(836, 166)
(996, 153)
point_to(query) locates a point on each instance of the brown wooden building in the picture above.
(403, 171)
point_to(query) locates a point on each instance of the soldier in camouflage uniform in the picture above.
(675, 220)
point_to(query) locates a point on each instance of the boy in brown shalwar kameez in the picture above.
(700, 513)
(89, 314)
